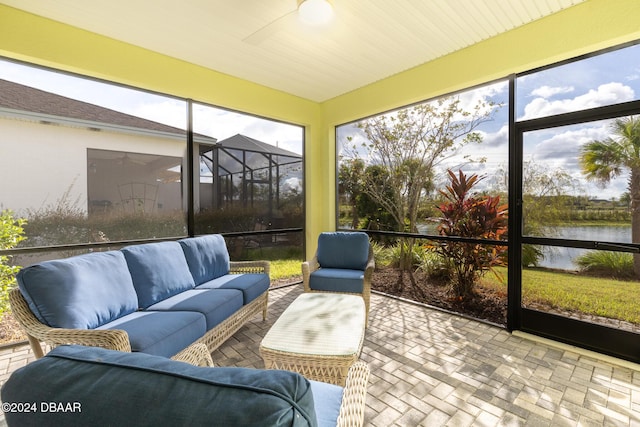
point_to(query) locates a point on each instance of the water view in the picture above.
(562, 258)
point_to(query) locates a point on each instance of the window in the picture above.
(90, 161)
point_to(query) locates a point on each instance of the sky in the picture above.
(216, 122)
(606, 79)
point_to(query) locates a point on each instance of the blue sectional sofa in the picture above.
(156, 298)
(88, 386)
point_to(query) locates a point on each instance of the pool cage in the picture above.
(242, 171)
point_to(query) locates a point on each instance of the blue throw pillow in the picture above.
(207, 257)
(159, 270)
(133, 389)
(349, 250)
(82, 292)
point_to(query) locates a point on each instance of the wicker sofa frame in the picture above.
(117, 339)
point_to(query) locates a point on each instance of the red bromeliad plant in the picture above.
(467, 215)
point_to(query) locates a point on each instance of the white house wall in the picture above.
(50, 160)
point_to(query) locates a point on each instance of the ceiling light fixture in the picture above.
(315, 12)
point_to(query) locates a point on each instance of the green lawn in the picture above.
(285, 268)
(616, 299)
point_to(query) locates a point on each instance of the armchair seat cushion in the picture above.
(337, 280)
(215, 304)
(161, 333)
(252, 285)
(133, 389)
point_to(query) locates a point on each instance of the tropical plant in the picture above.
(467, 215)
(603, 160)
(11, 233)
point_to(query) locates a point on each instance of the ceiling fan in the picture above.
(310, 13)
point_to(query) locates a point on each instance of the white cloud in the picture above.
(222, 124)
(560, 151)
(606, 94)
(548, 91)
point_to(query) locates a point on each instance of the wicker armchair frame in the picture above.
(117, 339)
(354, 396)
(312, 265)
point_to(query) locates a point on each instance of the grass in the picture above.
(285, 261)
(598, 296)
(285, 269)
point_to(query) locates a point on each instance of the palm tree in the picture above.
(601, 161)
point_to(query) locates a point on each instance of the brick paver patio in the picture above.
(430, 368)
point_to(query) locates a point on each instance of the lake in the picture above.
(562, 258)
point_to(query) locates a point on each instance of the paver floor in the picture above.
(430, 368)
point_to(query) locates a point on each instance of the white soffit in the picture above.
(262, 40)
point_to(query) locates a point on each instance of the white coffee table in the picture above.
(319, 335)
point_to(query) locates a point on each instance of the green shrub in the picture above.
(11, 233)
(604, 263)
(434, 265)
(382, 254)
(531, 255)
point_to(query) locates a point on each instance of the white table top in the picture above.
(328, 324)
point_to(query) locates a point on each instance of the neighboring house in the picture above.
(103, 161)
(98, 159)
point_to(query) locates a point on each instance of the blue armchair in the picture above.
(343, 263)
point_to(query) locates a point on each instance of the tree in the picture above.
(350, 179)
(467, 215)
(604, 160)
(11, 233)
(409, 144)
(546, 201)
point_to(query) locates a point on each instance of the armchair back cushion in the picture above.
(82, 292)
(159, 270)
(346, 250)
(117, 388)
(207, 257)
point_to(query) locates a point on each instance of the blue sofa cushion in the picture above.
(81, 292)
(161, 333)
(159, 270)
(337, 280)
(252, 285)
(132, 389)
(215, 304)
(349, 250)
(207, 257)
(327, 399)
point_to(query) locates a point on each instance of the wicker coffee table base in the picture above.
(328, 369)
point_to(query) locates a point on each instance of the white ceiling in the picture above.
(263, 41)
